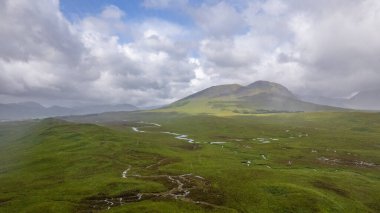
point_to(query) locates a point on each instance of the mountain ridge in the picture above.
(257, 97)
(363, 100)
(31, 110)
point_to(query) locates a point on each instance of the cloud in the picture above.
(164, 4)
(313, 47)
(219, 19)
(112, 12)
(339, 47)
(39, 48)
(27, 33)
(274, 7)
(88, 61)
(147, 70)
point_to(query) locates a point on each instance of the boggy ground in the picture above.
(298, 162)
(185, 187)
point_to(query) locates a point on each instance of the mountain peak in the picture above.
(28, 104)
(216, 91)
(265, 85)
(258, 97)
(368, 99)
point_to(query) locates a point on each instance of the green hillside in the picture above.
(257, 98)
(128, 162)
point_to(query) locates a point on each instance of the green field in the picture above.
(283, 162)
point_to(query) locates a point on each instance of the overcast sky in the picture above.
(156, 51)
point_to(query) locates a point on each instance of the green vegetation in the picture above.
(282, 162)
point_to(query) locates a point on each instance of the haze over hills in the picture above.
(258, 97)
(363, 100)
(29, 110)
(369, 99)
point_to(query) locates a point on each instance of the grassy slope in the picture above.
(56, 165)
(259, 97)
(229, 106)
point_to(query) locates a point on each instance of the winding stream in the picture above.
(177, 135)
(179, 186)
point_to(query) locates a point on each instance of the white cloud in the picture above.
(274, 7)
(319, 47)
(88, 60)
(164, 4)
(220, 19)
(340, 47)
(112, 12)
(311, 47)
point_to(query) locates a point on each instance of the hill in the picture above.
(28, 110)
(142, 162)
(369, 100)
(363, 100)
(258, 97)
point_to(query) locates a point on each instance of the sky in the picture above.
(153, 52)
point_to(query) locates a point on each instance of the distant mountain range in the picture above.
(28, 110)
(364, 100)
(258, 97)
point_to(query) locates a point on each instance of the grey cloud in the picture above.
(51, 59)
(340, 49)
(331, 47)
(220, 19)
(26, 33)
(314, 47)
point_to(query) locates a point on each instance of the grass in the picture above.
(312, 162)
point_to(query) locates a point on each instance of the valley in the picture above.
(188, 106)
(296, 162)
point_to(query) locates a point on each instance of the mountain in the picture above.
(104, 108)
(337, 102)
(369, 100)
(20, 110)
(29, 110)
(364, 100)
(258, 97)
(215, 91)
